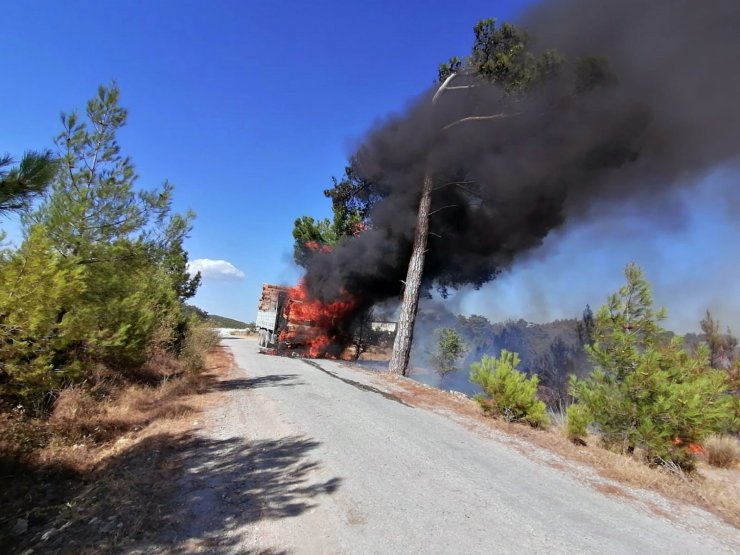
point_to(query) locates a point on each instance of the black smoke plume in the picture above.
(668, 113)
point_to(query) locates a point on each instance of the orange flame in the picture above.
(312, 323)
(692, 448)
(361, 227)
(316, 246)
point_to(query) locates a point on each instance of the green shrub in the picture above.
(449, 349)
(508, 392)
(578, 420)
(37, 333)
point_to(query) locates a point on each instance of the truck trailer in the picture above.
(270, 314)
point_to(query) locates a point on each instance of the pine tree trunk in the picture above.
(405, 330)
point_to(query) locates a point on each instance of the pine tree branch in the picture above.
(438, 187)
(478, 118)
(442, 208)
(443, 86)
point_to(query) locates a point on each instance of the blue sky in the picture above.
(249, 108)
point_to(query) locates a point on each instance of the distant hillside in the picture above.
(223, 322)
(552, 350)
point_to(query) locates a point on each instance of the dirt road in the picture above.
(315, 457)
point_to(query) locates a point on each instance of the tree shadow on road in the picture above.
(183, 493)
(271, 380)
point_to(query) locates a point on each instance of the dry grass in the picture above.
(722, 451)
(377, 353)
(81, 425)
(719, 494)
(88, 434)
(198, 341)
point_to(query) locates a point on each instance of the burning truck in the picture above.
(290, 322)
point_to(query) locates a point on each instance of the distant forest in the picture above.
(223, 322)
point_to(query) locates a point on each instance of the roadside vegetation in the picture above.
(648, 395)
(96, 339)
(507, 392)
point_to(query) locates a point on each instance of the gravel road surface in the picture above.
(315, 457)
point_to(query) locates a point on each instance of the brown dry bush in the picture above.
(21, 433)
(107, 405)
(722, 451)
(198, 341)
(160, 367)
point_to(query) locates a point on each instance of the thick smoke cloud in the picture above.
(671, 115)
